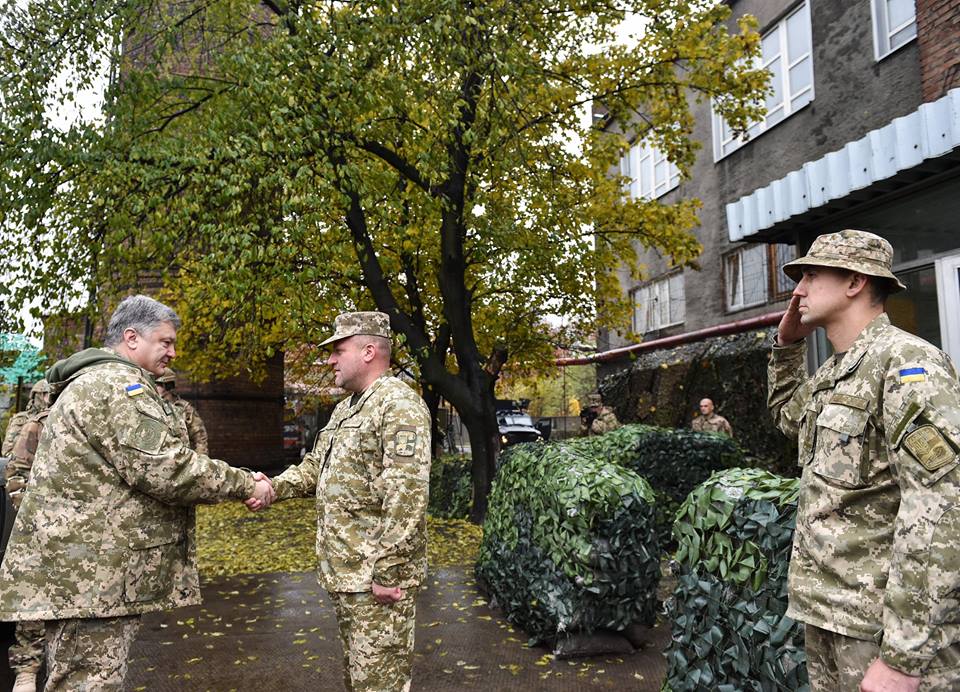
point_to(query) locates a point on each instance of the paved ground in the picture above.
(273, 631)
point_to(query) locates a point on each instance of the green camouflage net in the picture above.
(673, 461)
(569, 543)
(729, 628)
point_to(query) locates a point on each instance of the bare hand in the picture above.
(386, 594)
(882, 678)
(791, 330)
(263, 493)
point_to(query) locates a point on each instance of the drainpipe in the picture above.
(767, 320)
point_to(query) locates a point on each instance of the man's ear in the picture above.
(856, 284)
(130, 338)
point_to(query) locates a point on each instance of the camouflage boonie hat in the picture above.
(858, 251)
(41, 387)
(167, 376)
(352, 323)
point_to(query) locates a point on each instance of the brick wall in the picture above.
(938, 36)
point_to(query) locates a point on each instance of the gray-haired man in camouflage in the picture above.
(106, 528)
(370, 472)
(875, 569)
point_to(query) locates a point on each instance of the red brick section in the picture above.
(938, 36)
(244, 420)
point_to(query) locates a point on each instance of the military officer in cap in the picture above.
(875, 568)
(105, 531)
(196, 430)
(370, 473)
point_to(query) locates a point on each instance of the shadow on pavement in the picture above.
(271, 631)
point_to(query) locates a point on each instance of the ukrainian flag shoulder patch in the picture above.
(134, 389)
(913, 375)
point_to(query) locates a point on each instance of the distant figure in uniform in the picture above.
(875, 569)
(596, 418)
(26, 653)
(105, 531)
(370, 473)
(38, 401)
(197, 432)
(708, 421)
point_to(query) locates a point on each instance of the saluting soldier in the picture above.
(370, 472)
(875, 569)
(196, 430)
(105, 531)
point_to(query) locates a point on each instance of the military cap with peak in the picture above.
(594, 399)
(349, 324)
(167, 376)
(857, 251)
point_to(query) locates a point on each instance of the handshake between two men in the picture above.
(263, 493)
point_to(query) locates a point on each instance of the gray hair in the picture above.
(140, 313)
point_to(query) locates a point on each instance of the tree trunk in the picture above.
(484, 446)
(432, 399)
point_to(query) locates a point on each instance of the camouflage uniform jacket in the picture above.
(876, 554)
(605, 421)
(16, 423)
(196, 430)
(21, 457)
(714, 423)
(370, 470)
(106, 528)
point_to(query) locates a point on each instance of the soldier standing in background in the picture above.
(38, 401)
(708, 421)
(105, 531)
(875, 569)
(197, 432)
(597, 419)
(370, 472)
(26, 654)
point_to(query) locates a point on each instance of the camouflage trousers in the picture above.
(377, 641)
(84, 655)
(836, 663)
(26, 653)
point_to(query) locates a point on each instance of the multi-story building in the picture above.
(862, 130)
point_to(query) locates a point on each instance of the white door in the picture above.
(948, 299)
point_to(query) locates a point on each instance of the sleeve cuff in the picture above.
(908, 664)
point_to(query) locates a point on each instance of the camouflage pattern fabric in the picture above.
(377, 641)
(876, 553)
(370, 471)
(350, 323)
(89, 654)
(605, 422)
(196, 430)
(26, 653)
(105, 528)
(17, 421)
(21, 457)
(714, 423)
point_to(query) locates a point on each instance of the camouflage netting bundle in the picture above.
(729, 628)
(673, 461)
(569, 543)
(451, 487)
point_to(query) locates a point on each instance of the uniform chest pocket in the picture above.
(354, 458)
(842, 449)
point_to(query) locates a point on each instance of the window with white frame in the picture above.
(648, 172)
(894, 25)
(753, 274)
(658, 304)
(786, 54)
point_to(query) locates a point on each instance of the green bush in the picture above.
(729, 627)
(569, 543)
(451, 487)
(673, 461)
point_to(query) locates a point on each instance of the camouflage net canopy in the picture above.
(673, 461)
(569, 543)
(729, 628)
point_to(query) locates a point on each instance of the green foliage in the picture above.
(450, 487)
(673, 461)
(569, 543)
(728, 612)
